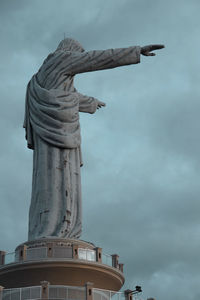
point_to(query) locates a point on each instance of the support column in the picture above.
(45, 289)
(2, 257)
(128, 294)
(121, 267)
(1, 292)
(50, 249)
(88, 288)
(75, 251)
(115, 260)
(98, 254)
(22, 252)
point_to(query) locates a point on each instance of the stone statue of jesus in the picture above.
(53, 132)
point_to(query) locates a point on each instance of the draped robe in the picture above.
(53, 132)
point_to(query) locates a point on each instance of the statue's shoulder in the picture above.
(56, 57)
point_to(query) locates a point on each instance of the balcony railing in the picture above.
(60, 292)
(10, 258)
(54, 292)
(67, 292)
(87, 254)
(35, 253)
(33, 292)
(107, 259)
(99, 294)
(25, 254)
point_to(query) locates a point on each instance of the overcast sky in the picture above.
(141, 171)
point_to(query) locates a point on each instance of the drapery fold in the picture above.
(54, 116)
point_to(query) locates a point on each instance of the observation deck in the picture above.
(67, 262)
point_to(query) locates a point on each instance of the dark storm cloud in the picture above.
(141, 153)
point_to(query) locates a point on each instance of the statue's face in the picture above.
(69, 44)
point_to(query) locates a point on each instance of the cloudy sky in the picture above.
(141, 171)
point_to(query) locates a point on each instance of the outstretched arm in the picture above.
(80, 62)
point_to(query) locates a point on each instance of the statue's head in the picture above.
(69, 44)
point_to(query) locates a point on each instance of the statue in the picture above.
(53, 132)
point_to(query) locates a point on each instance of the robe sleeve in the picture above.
(101, 59)
(87, 104)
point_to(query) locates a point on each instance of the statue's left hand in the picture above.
(146, 50)
(100, 104)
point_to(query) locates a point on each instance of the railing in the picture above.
(87, 254)
(35, 253)
(26, 293)
(53, 292)
(66, 292)
(62, 252)
(57, 252)
(47, 291)
(10, 258)
(99, 294)
(107, 259)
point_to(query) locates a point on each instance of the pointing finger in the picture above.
(157, 47)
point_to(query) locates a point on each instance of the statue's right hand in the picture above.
(146, 50)
(100, 104)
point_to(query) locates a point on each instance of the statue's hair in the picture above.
(70, 45)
